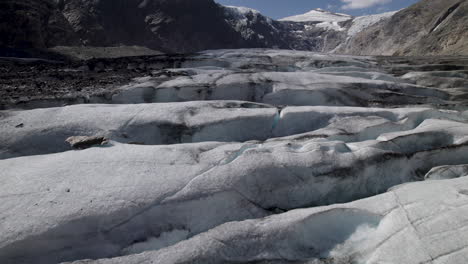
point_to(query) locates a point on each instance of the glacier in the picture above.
(245, 156)
(318, 15)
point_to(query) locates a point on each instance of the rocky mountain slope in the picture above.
(430, 27)
(323, 31)
(236, 156)
(26, 24)
(171, 26)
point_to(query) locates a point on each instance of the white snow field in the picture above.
(336, 21)
(318, 15)
(246, 156)
(362, 22)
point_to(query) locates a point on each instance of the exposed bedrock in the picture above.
(33, 24)
(429, 27)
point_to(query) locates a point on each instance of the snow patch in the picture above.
(242, 10)
(331, 26)
(363, 22)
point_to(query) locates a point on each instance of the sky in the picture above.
(283, 8)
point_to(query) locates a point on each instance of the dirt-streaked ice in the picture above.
(245, 156)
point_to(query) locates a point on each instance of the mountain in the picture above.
(185, 26)
(323, 31)
(169, 26)
(172, 26)
(234, 156)
(318, 15)
(256, 28)
(430, 27)
(357, 25)
(26, 24)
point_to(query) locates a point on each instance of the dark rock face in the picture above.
(171, 26)
(256, 30)
(33, 24)
(307, 36)
(183, 26)
(430, 27)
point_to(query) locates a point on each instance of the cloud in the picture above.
(359, 4)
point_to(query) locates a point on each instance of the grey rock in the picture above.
(33, 24)
(173, 26)
(84, 142)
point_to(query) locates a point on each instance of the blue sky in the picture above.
(282, 8)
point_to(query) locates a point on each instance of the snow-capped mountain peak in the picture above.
(242, 10)
(318, 15)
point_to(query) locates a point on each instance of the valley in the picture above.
(185, 132)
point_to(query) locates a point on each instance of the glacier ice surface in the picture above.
(246, 156)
